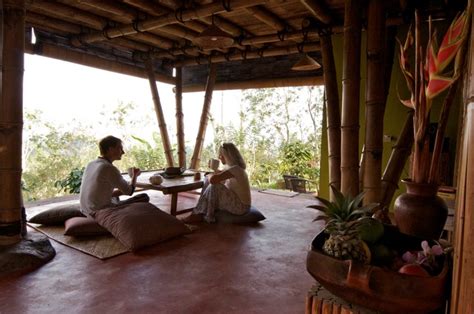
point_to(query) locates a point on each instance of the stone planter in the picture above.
(375, 287)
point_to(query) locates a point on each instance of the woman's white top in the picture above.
(239, 184)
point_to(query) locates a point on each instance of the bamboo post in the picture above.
(462, 294)
(332, 111)
(179, 118)
(159, 112)
(12, 42)
(350, 98)
(375, 102)
(211, 79)
(398, 158)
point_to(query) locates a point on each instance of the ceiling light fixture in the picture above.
(306, 63)
(213, 37)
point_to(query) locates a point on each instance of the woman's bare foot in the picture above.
(193, 218)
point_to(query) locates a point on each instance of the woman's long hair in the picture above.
(232, 155)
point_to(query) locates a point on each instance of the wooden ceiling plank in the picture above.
(267, 17)
(155, 9)
(170, 18)
(318, 11)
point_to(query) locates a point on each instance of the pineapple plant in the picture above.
(344, 218)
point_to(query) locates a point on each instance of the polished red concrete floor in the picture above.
(217, 269)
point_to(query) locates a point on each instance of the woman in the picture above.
(227, 190)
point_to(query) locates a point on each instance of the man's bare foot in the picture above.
(193, 218)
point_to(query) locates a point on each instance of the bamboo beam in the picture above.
(270, 52)
(52, 51)
(159, 113)
(211, 79)
(268, 83)
(44, 22)
(351, 98)
(333, 114)
(179, 118)
(170, 18)
(375, 102)
(156, 9)
(124, 15)
(95, 22)
(317, 10)
(12, 41)
(398, 158)
(267, 17)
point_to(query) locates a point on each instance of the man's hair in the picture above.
(232, 155)
(108, 142)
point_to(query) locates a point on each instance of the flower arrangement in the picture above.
(433, 73)
(428, 257)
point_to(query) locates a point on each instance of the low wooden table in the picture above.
(172, 186)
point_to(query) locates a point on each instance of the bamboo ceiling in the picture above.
(119, 35)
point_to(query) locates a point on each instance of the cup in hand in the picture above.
(130, 171)
(214, 164)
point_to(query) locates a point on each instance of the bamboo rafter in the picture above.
(317, 10)
(271, 52)
(167, 19)
(267, 17)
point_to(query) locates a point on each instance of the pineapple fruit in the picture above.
(344, 217)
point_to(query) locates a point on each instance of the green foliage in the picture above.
(296, 159)
(144, 155)
(72, 183)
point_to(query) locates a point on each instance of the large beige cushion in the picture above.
(83, 226)
(57, 215)
(140, 224)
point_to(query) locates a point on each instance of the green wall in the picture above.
(395, 112)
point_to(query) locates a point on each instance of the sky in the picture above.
(66, 92)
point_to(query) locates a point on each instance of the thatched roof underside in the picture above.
(269, 35)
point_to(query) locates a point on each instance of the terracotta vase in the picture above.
(420, 212)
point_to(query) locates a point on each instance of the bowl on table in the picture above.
(174, 171)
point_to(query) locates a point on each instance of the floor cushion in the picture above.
(83, 226)
(140, 224)
(57, 215)
(253, 215)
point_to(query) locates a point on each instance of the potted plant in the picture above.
(420, 211)
(360, 260)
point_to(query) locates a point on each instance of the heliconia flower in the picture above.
(437, 85)
(452, 41)
(431, 57)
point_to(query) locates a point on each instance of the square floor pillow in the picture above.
(140, 224)
(253, 215)
(57, 215)
(83, 226)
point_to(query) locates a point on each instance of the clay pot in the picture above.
(419, 211)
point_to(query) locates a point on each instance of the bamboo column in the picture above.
(179, 117)
(12, 42)
(211, 79)
(333, 114)
(159, 112)
(350, 98)
(375, 102)
(398, 158)
(462, 294)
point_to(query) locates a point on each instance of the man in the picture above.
(102, 182)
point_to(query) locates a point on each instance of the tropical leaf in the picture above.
(318, 207)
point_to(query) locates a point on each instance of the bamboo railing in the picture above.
(211, 79)
(375, 102)
(350, 98)
(159, 113)
(179, 118)
(12, 39)
(333, 115)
